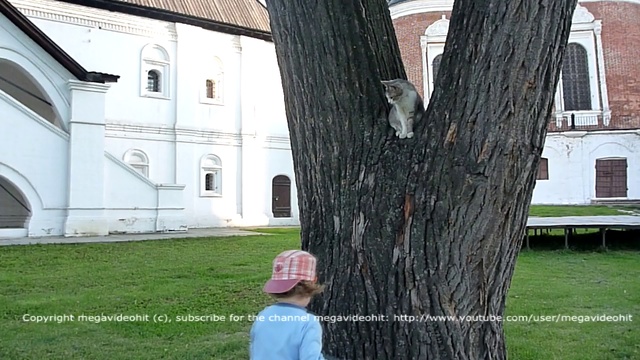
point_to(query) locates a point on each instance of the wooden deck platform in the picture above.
(568, 223)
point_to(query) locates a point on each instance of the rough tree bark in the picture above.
(429, 225)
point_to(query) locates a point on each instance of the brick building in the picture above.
(592, 150)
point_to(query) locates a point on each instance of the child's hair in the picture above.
(304, 288)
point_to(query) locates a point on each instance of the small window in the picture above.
(153, 81)
(138, 160)
(211, 89)
(543, 169)
(154, 72)
(210, 184)
(210, 176)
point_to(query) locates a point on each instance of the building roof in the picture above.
(31, 30)
(237, 17)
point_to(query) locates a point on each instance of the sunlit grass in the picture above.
(223, 276)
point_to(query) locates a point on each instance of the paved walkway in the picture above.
(613, 221)
(533, 222)
(192, 233)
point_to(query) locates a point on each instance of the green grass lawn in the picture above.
(574, 283)
(224, 276)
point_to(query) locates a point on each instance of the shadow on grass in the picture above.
(585, 241)
(579, 240)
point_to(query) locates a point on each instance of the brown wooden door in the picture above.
(611, 178)
(281, 196)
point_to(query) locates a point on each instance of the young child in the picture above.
(285, 330)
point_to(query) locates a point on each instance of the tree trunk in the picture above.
(429, 225)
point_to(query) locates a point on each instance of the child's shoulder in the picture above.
(285, 310)
(283, 307)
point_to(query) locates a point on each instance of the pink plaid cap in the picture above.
(289, 268)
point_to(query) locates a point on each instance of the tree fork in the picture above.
(429, 225)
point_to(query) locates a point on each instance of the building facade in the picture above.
(190, 131)
(592, 150)
(181, 122)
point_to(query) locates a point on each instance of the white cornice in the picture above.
(95, 18)
(608, 132)
(425, 6)
(419, 6)
(438, 28)
(165, 130)
(581, 15)
(153, 132)
(88, 86)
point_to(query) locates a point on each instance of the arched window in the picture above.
(436, 66)
(213, 90)
(576, 87)
(138, 160)
(432, 44)
(581, 95)
(153, 81)
(154, 68)
(210, 176)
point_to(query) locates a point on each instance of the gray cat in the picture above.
(407, 106)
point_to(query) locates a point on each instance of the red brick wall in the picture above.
(621, 46)
(620, 41)
(408, 31)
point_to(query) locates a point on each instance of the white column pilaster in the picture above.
(606, 112)
(426, 92)
(86, 205)
(253, 155)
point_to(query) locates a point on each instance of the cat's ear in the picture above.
(389, 85)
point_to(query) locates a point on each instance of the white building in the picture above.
(189, 132)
